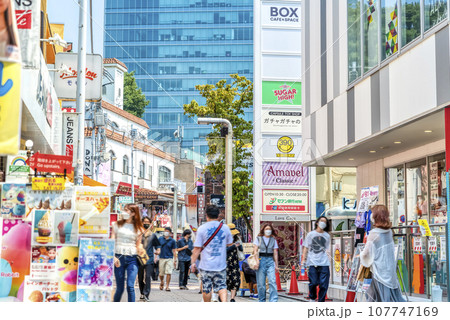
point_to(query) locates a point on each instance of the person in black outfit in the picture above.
(233, 271)
(152, 246)
(185, 247)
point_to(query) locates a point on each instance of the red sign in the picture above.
(50, 163)
(124, 189)
(191, 201)
(24, 19)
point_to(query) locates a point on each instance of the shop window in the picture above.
(395, 182)
(410, 20)
(438, 189)
(370, 34)
(435, 12)
(389, 28)
(354, 39)
(417, 190)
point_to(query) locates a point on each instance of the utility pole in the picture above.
(81, 91)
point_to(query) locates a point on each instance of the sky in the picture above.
(66, 12)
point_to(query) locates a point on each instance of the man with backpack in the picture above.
(211, 245)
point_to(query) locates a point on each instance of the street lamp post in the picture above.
(175, 206)
(228, 164)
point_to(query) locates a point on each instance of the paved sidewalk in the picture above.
(177, 295)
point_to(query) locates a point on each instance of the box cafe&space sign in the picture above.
(284, 174)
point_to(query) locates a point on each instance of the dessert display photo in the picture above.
(65, 228)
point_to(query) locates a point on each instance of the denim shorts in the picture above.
(214, 280)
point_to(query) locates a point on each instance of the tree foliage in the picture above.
(134, 100)
(229, 101)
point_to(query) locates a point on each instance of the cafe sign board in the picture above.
(285, 201)
(281, 14)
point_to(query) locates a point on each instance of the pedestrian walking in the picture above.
(233, 270)
(152, 246)
(250, 278)
(379, 256)
(211, 243)
(185, 247)
(315, 257)
(167, 257)
(128, 235)
(265, 247)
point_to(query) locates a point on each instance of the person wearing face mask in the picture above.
(167, 257)
(317, 243)
(152, 246)
(185, 247)
(127, 233)
(265, 247)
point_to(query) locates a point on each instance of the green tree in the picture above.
(134, 100)
(229, 101)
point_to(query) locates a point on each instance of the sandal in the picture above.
(161, 286)
(167, 289)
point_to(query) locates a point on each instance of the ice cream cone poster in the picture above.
(15, 258)
(43, 262)
(93, 203)
(42, 227)
(53, 200)
(13, 200)
(66, 267)
(65, 228)
(95, 269)
(41, 291)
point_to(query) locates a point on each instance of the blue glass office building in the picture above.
(174, 45)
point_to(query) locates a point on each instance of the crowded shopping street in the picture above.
(249, 151)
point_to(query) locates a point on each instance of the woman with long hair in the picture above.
(315, 257)
(128, 235)
(379, 256)
(152, 247)
(265, 247)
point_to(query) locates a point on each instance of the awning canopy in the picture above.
(87, 181)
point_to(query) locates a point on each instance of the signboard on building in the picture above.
(285, 201)
(284, 174)
(282, 93)
(28, 17)
(50, 163)
(281, 14)
(88, 157)
(125, 189)
(48, 184)
(70, 133)
(285, 148)
(201, 207)
(281, 121)
(17, 168)
(66, 83)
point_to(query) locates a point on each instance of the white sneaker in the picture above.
(215, 297)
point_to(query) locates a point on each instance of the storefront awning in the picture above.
(87, 181)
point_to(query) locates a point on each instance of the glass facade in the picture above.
(377, 29)
(174, 45)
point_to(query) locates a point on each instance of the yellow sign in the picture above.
(9, 107)
(48, 184)
(425, 228)
(285, 144)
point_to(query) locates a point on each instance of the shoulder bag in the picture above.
(212, 236)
